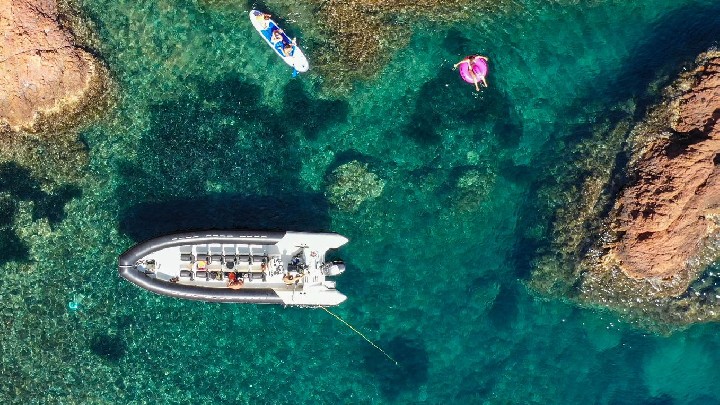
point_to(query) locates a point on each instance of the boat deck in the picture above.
(258, 266)
(238, 266)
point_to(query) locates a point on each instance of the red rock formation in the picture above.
(666, 214)
(41, 69)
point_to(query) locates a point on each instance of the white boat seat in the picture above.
(202, 256)
(201, 274)
(186, 257)
(185, 273)
(216, 258)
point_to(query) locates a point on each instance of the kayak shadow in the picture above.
(296, 212)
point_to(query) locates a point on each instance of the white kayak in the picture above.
(265, 26)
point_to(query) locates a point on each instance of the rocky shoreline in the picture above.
(44, 75)
(664, 217)
(50, 85)
(644, 248)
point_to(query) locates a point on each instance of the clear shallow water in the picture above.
(209, 131)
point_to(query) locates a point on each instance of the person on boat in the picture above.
(234, 282)
(267, 26)
(289, 49)
(471, 61)
(291, 278)
(265, 19)
(278, 40)
(276, 36)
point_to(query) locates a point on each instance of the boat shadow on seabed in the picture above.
(303, 211)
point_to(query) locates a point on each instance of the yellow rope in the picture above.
(361, 335)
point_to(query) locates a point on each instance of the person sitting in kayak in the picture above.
(264, 20)
(471, 61)
(288, 49)
(278, 40)
(267, 26)
(276, 36)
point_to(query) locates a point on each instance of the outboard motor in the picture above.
(333, 268)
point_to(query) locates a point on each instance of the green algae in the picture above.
(351, 184)
(472, 188)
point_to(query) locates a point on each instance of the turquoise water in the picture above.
(208, 130)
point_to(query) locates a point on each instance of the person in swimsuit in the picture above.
(276, 36)
(278, 41)
(288, 49)
(264, 19)
(267, 26)
(234, 282)
(472, 60)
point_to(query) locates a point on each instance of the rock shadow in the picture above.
(52, 205)
(438, 105)
(456, 43)
(676, 39)
(110, 347)
(411, 371)
(312, 115)
(504, 310)
(517, 173)
(18, 184)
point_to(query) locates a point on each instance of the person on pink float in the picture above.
(473, 69)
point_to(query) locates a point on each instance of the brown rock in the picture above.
(41, 69)
(665, 215)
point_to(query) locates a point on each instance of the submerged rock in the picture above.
(351, 184)
(358, 36)
(42, 71)
(472, 189)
